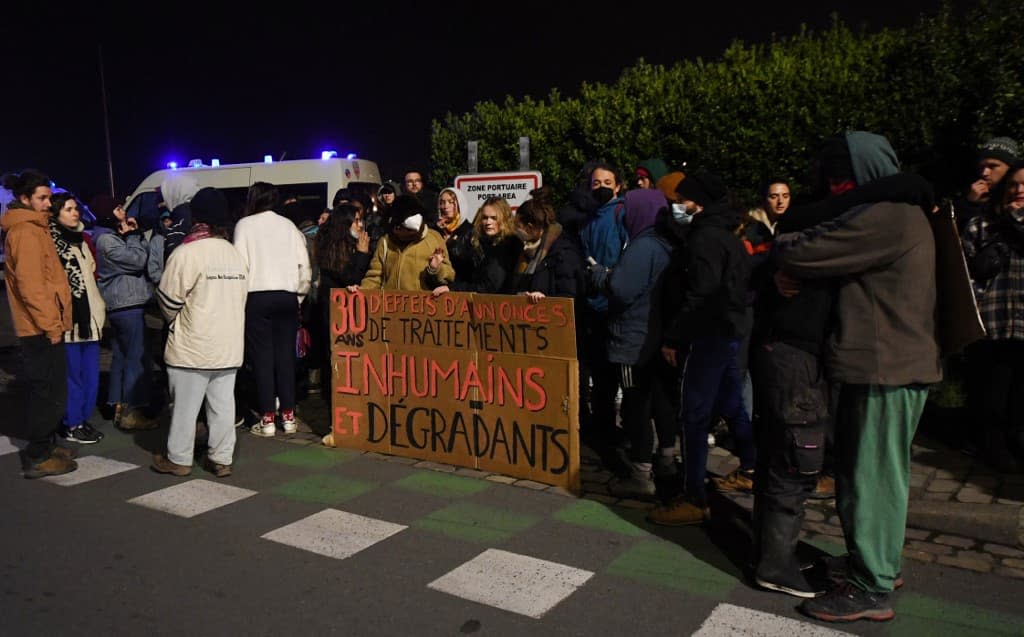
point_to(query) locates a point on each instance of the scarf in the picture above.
(64, 239)
(534, 252)
(452, 225)
(198, 231)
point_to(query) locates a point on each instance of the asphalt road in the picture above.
(306, 540)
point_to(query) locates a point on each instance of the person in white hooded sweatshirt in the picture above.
(275, 254)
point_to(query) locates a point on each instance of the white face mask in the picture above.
(414, 222)
(681, 214)
(353, 231)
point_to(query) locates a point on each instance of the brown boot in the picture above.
(66, 453)
(52, 466)
(135, 420)
(162, 464)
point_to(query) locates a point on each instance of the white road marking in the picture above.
(334, 533)
(191, 498)
(10, 445)
(91, 468)
(728, 620)
(512, 582)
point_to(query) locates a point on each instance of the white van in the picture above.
(312, 181)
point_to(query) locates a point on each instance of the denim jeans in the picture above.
(129, 366)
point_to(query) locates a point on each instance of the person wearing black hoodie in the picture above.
(710, 324)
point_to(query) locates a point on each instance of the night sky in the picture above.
(189, 82)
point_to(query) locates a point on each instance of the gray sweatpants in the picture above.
(188, 387)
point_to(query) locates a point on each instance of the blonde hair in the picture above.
(505, 229)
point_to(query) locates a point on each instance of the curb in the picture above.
(997, 523)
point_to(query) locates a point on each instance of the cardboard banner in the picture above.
(489, 382)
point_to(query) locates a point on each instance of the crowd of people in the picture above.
(808, 328)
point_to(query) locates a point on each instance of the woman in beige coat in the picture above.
(88, 311)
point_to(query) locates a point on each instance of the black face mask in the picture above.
(602, 195)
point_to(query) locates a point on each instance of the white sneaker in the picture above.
(263, 429)
(288, 422)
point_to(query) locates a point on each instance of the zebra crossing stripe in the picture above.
(727, 620)
(91, 468)
(509, 581)
(10, 445)
(334, 533)
(191, 498)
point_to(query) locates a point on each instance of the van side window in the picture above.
(311, 196)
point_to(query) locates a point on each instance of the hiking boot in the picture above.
(54, 465)
(218, 470)
(79, 434)
(794, 584)
(638, 485)
(737, 480)
(847, 603)
(288, 421)
(66, 453)
(836, 566)
(135, 420)
(265, 428)
(677, 513)
(825, 489)
(161, 464)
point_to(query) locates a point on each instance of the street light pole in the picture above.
(106, 124)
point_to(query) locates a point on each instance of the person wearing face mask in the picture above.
(603, 238)
(411, 256)
(707, 332)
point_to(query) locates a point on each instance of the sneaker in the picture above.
(795, 584)
(161, 464)
(79, 434)
(218, 470)
(54, 465)
(678, 513)
(847, 603)
(835, 570)
(288, 421)
(135, 420)
(266, 427)
(737, 480)
(825, 489)
(93, 430)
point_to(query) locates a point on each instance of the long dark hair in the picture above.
(262, 196)
(334, 243)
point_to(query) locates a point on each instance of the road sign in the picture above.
(513, 186)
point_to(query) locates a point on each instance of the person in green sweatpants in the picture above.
(883, 352)
(875, 427)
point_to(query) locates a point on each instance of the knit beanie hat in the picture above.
(210, 206)
(702, 188)
(1002, 148)
(404, 207)
(654, 169)
(667, 184)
